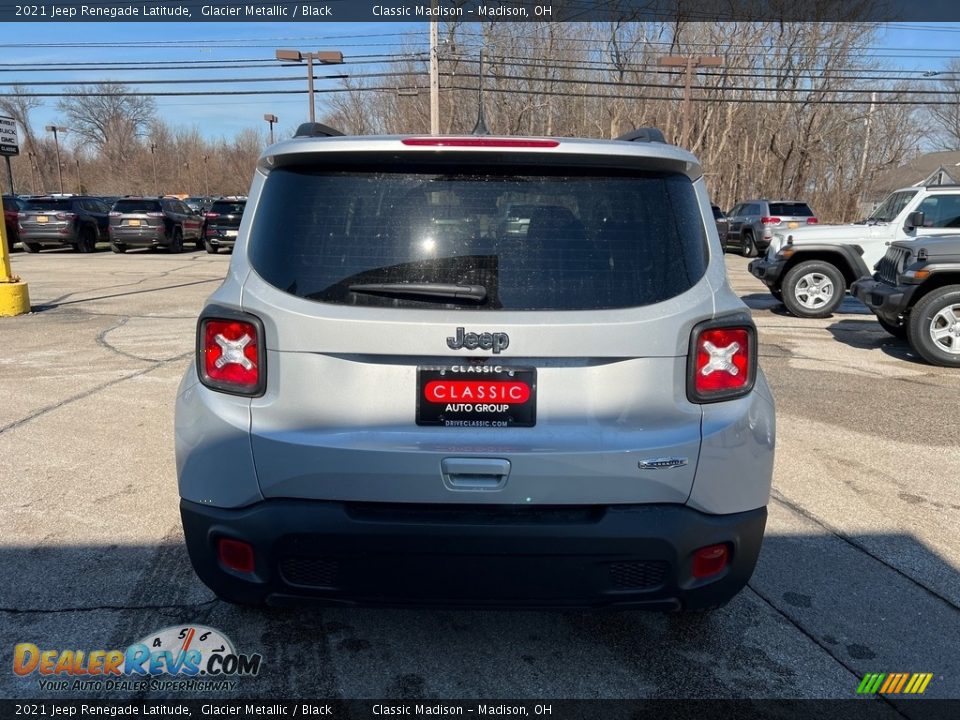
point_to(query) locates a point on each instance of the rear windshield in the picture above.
(51, 204)
(791, 209)
(564, 241)
(136, 206)
(227, 208)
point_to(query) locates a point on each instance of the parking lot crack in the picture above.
(783, 500)
(105, 608)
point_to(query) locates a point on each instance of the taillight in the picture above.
(211, 215)
(480, 142)
(812, 221)
(231, 355)
(66, 216)
(114, 213)
(770, 220)
(722, 363)
(154, 214)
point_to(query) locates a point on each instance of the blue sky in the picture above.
(919, 47)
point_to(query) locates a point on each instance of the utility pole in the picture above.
(868, 122)
(153, 156)
(33, 171)
(55, 129)
(331, 57)
(690, 63)
(271, 119)
(79, 186)
(206, 176)
(434, 76)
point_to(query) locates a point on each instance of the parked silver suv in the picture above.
(752, 224)
(475, 371)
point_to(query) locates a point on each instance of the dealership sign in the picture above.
(8, 136)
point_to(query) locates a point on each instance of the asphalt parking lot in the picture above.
(860, 570)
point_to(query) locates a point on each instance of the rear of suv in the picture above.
(153, 222)
(752, 224)
(221, 223)
(475, 371)
(76, 221)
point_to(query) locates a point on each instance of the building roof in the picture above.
(918, 171)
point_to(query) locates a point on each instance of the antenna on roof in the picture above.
(481, 127)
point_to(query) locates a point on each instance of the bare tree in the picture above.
(946, 116)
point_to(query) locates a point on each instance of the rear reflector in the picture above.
(230, 355)
(235, 555)
(480, 142)
(710, 561)
(722, 363)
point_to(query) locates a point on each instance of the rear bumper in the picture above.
(888, 302)
(768, 272)
(139, 237)
(220, 237)
(461, 555)
(48, 237)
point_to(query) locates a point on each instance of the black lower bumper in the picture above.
(767, 271)
(886, 301)
(370, 554)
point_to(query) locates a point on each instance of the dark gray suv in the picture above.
(475, 371)
(153, 222)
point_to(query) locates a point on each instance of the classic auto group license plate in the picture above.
(477, 396)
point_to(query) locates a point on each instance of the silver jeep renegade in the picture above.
(480, 371)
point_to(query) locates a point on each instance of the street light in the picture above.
(55, 129)
(332, 57)
(272, 119)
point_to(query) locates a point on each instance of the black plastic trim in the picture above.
(738, 321)
(222, 312)
(644, 134)
(317, 130)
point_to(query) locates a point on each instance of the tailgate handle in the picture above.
(476, 474)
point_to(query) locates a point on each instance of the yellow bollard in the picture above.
(14, 298)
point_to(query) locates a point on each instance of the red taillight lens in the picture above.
(66, 216)
(710, 561)
(770, 220)
(480, 142)
(722, 363)
(211, 215)
(231, 356)
(812, 221)
(154, 214)
(235, 555)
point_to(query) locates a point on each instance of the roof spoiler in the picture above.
(646, 134)
(317, 130)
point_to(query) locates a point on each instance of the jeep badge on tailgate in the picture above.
(485, 341)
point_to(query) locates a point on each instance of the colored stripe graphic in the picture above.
(894, 683)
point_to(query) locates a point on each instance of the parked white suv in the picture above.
(476, 371)
(811, 268)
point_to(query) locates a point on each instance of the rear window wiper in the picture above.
(440, 291)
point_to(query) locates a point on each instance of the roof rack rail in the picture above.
(317, 130)
(645, 134)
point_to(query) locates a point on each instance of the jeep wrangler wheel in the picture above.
(813, 289)
(898, 331)
(934, 327)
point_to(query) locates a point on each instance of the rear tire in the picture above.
(748, 248)
(210, 248)
(934, 327)
(898, 331)
(118, 247)
(176, 243)
(813, 289)
(31, 247)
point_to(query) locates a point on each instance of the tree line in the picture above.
(794, 110)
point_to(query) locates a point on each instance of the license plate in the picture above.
(793, 224)
(42, 218)
(230, 233)
(133, 223)
(478, 396)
